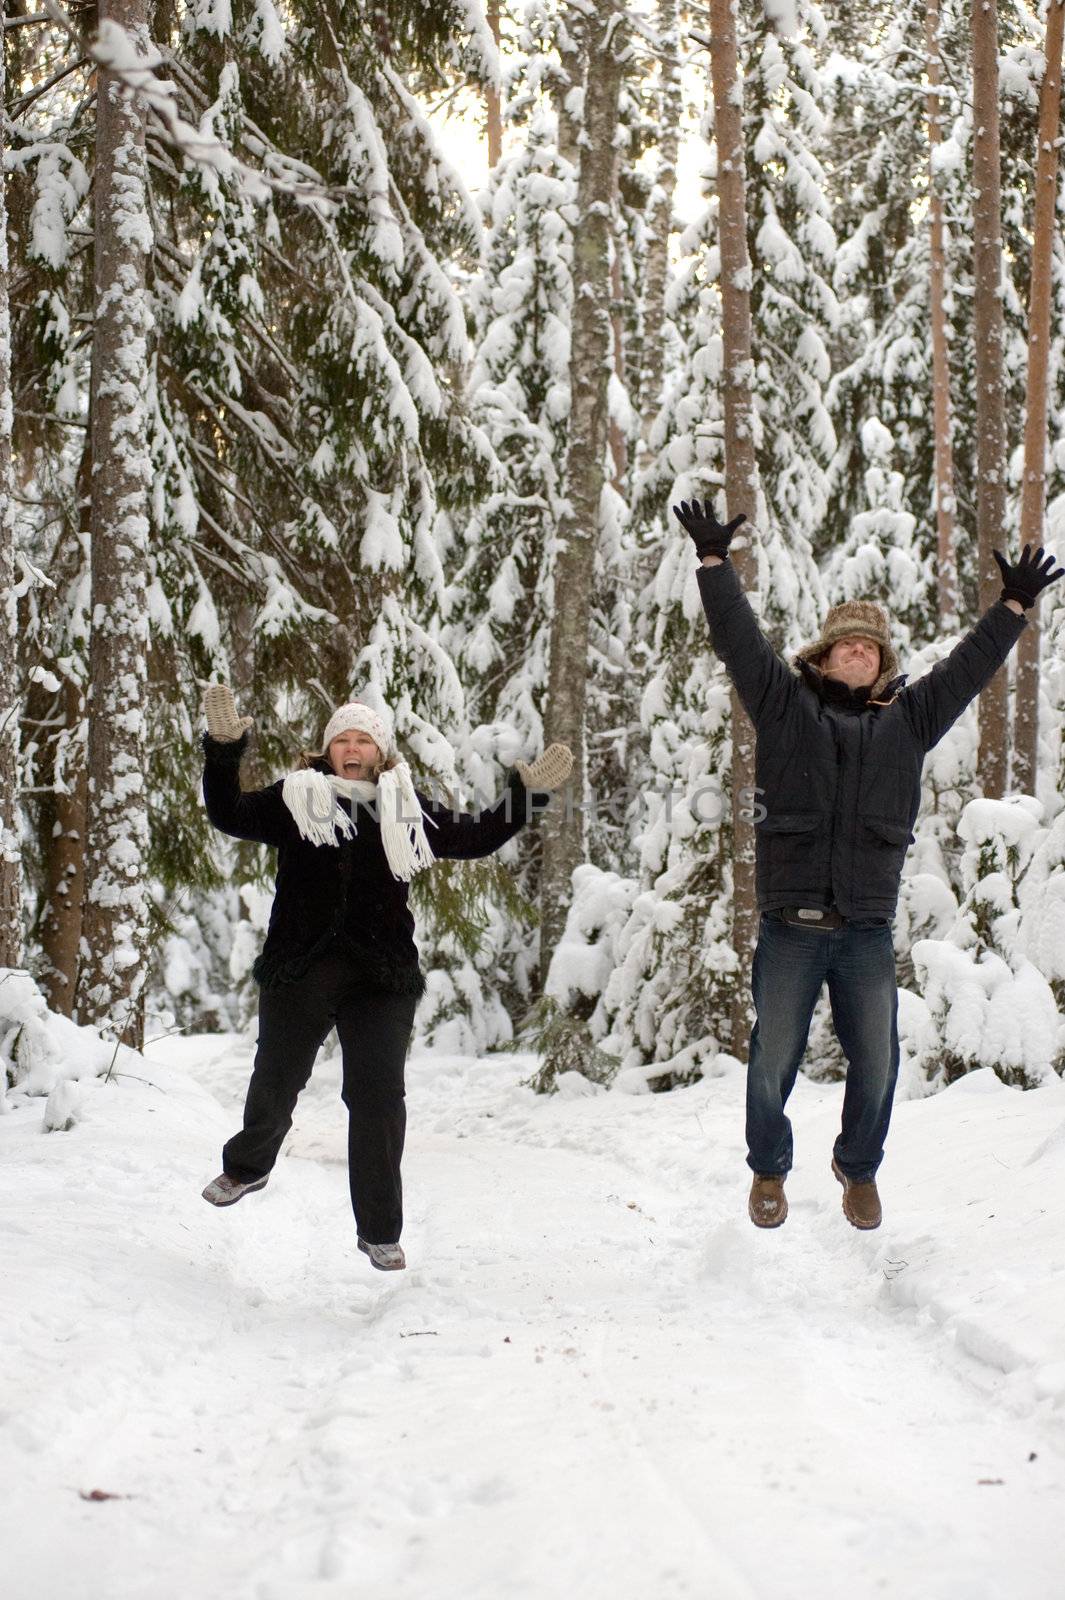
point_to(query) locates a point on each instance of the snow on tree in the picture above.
(880, 557)
(496, 610)
(794, 310)
(879, 163)
(990, 1005)
(1041, 902)
(499, 557)
(356, 418)
(669, 1005)
(302, 403)
(653, 346)
(498, 598)
(880, 395)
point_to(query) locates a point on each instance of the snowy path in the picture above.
(596, 1380)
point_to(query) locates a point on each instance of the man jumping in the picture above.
(840, 744)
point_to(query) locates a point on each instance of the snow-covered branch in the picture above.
(117, 53)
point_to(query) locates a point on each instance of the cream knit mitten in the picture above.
(548, 771)
(221, 712)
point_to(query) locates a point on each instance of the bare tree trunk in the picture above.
(563, 831)
(492, 102)
(116, 911)
(947, 573)
(10, 853)
(62, 827)
(741, 470)
(62, 823)
(660, 218)
(990, 378)
(1033, 489)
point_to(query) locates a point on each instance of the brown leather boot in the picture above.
(768, 1205)
(861, 1203)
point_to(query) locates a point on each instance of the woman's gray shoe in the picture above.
(226, 1191)
(385, 1257)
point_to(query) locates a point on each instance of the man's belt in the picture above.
(821, 918)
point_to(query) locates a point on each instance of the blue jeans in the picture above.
(857, 962)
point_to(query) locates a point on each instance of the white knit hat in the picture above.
(356, 715)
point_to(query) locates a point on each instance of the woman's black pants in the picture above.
(374, 1030)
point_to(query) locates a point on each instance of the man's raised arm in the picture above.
(750, 660)
(938, 699)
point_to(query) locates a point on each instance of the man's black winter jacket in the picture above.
(838, 775)
(345, 896)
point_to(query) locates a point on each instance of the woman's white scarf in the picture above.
(312, 799)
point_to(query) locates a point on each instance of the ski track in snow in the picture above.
(595, 1380)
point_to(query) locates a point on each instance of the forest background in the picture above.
(282, 404)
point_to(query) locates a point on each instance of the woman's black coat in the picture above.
(345, 895)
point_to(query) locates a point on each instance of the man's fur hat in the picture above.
(856, 618)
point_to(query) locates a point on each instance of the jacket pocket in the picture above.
(792, 854)
(883, 832)
(790, 822)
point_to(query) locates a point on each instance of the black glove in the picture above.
(1026, 581)
(711, 538)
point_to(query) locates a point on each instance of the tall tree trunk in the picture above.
(10, 852)
(1033, 489)
(573, 50)
(741, 470)
(990, 378)
(660, 218)
(563, 831)
(492, 101)
(62, 822)
(947, 571)
(62, 829)
(115, 922)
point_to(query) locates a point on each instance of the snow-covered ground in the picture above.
(596, 1380)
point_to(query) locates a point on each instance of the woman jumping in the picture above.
(350, 832)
